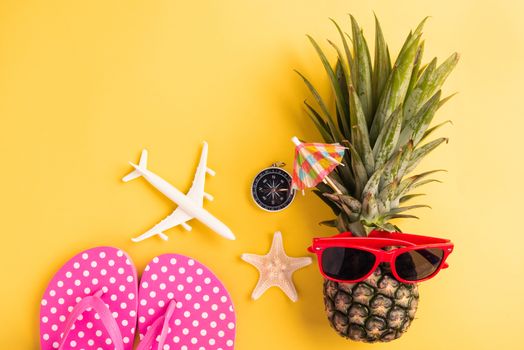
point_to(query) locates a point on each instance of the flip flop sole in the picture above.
(204, 317)
(102, 268)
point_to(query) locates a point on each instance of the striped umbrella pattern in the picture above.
(314, 162)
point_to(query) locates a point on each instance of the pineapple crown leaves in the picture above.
(382, 113)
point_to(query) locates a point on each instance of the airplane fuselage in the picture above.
(186, 203)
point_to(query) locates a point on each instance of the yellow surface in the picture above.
(85, 85)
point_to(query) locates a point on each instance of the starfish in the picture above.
(276, 269)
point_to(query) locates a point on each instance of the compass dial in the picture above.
(271, 189)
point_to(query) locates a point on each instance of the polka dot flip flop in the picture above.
(91, 303)
(183, 306)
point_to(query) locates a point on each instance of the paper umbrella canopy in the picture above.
(314, 162)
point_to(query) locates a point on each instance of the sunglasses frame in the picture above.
(373, 244)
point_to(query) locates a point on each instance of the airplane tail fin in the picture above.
(141, 164)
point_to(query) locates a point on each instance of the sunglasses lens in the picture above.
(418, 264)
(347, 264)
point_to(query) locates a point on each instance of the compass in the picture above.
(271, 188)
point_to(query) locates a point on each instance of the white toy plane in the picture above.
(190, 205)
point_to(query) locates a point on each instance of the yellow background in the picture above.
(85, 85)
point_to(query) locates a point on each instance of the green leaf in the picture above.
(392, 172)
(329, 223)
(439, 76)
(390, 169)
(396, 87)
(418, 125)
(421, 70)
(321, 103)
(407, 152)
(324, 188)
(405, 63)
(416, 68)
(409, 207)
(342, 74)
(422, 183)
(373, 183)
(396, 165)
(331, 204)
(381, 67)
(387, 227)
(369, 207)
(403, 216)
(359, 170)
(412, 182)
(357, 228)
(434, 128)
(423, 151)
(351, 61)
(413, 36)
(359, 132)
(338, 182)
(405, 190)
(345, 174)
(431, 81)
(420, 26)
(445, 99)
(348, 205)
(386, 195)
(413, 104)
(339, 98)
(349, 56)
(387, 140)
(319, 122)
(363, 73)
(410, 196)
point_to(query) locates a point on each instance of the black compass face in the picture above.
(272, 189)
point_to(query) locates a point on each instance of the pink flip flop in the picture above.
(183, 306)
(91, 303)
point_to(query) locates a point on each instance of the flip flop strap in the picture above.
(160, 325)
(97, 304)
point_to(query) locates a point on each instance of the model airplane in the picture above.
(190, 205)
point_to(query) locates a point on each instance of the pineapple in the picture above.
(382, 113)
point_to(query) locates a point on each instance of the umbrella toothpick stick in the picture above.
(332, 184)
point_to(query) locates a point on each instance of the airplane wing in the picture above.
(196, 192)
(177, 217)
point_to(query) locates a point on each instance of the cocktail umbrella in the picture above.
(314, 162)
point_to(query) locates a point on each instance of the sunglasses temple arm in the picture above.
(310, 249)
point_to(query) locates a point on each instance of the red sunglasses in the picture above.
(344, 258)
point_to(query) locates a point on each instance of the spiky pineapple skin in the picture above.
(378, 309)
